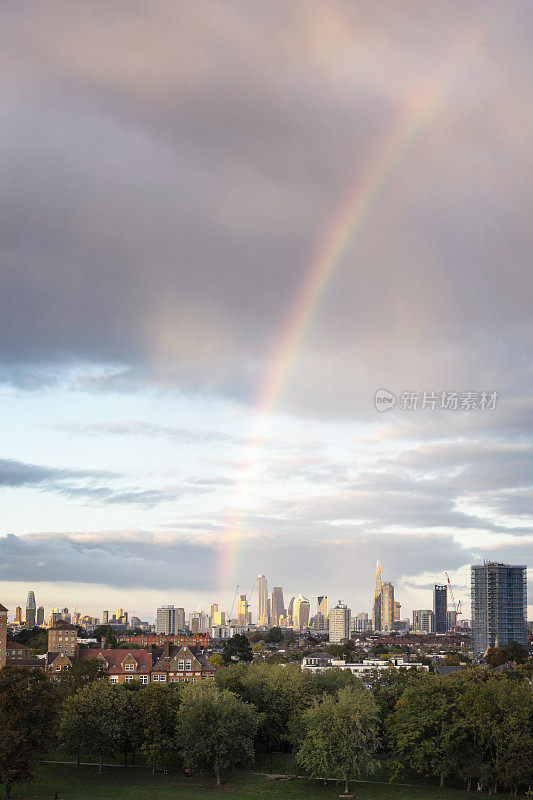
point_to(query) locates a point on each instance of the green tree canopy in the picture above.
(29, 705)
(215, 729)
(337, 736)
(237, 648)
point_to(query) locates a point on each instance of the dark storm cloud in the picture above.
(171, 168)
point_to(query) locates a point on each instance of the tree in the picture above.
(80, 674)
(513, 652)
(338, 735)
(108, 633)
(237, 648)
(157, 707)
(216, 660)
(215, 729)
(29, 704)
(274, 636)
(129, 721)
(89, 721)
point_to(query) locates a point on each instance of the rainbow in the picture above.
(338, 239)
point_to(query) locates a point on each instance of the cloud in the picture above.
(164, 211)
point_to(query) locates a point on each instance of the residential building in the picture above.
(17, 652)
(301, 611)
(440, 607)
(181, 664)
(122, 666)
(376, 600)
(450, 620)
(3, 635)
(166, 620)
(277, 606)
(339, 623)
(31, 611)
(262, 598)
(317, 662)
(160, 640)
(63, 638)
(423, 621)
(387, 606)
(397, 611)
(499, 604)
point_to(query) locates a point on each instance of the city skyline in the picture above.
(221, 262)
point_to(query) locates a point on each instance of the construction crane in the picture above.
(233, 604)
(456, 607)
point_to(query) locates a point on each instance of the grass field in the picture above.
(138, 783)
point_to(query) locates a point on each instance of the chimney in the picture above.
(167, 648)
(102, 642)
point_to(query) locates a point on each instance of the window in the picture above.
(156, 678)
(180, 664)
(128, 678)
(144, 678)
(129, 667)
(162, 678)
(188, 666)
(113, 679)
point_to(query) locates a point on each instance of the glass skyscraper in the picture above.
(440, 607)
(499, 603)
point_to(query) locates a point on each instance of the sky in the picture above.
(225, 226)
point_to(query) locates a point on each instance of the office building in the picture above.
(105, 617)
(166, 620)
(322, 605)
(499, 603)
(387, 606)
(423, 621)
(277, 606)
(40, 615)
(213, 610)
(362, 623)
(244, 616)
(339, 623)
(301, 611)
(450, 620)
(397, 611)
(262, 597)
(218, 619)
(376, 600)
(440, 607)
(18, 616)
(31, 610)
(180, 619)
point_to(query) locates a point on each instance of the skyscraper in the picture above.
(243, 615)
(262, 609)
(423, 621)
(18, 616)
(387, 606)
(180, 619)
(322, 605)
(376, 601)
(440, 607)
(290, 610)
(300, 612)
(30, 610)
(397, 611)
(277, 607)
(499, 598)
(339, 623)
(166, 620)
(40, 615)
(105, 617)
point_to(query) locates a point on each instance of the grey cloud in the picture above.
(164, 211)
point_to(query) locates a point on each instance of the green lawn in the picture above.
(138, 783)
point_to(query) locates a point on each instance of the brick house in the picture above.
(161, 639)
(123, 666)
(16, 652)
(63, 638)
(181, 664)
(57, 662)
